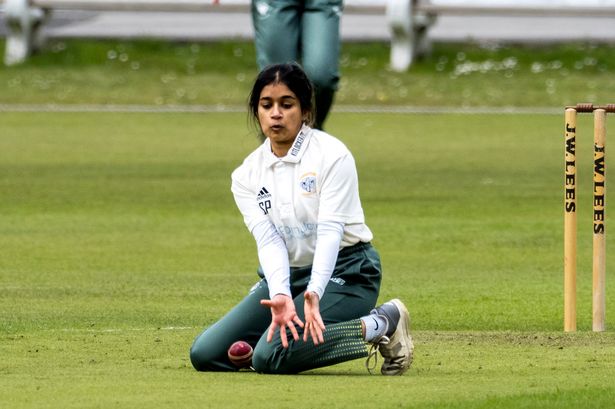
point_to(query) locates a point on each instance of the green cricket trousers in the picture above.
(304, 31)
(351, 293)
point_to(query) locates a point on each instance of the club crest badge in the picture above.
(308, 183)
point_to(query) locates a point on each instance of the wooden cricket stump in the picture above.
(599, 212)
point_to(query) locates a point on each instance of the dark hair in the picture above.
(291, 75)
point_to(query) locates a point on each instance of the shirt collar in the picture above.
(296, 151)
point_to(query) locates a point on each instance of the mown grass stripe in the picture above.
(384, 109)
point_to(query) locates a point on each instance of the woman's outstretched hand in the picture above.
(283, 315)
(314, 326)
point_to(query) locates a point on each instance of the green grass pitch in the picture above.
(120, 241)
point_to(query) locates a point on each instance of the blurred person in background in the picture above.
(303, 31)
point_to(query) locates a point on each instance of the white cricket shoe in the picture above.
(395, 345)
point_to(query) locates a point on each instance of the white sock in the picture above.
(375, 326)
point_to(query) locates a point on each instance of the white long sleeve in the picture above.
(273, 258)
(328, 239)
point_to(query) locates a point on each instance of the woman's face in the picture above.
(280, 116)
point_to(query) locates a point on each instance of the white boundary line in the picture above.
(113, 330)
(376, 109)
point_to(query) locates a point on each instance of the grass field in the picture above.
(160, 73)
(120, 240)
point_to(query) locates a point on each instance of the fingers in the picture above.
(293, 331)
(284, 317)
(319, 329)
(271, 332)
(310, 333)
(298, 321)
(314, 328)
(321, 324)
(317, 337)
(283, 336)
(314, 331)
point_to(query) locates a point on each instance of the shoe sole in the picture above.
(404, 321)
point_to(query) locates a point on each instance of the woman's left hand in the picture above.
(314, 326)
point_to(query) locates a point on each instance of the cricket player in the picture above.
(298, 194)
(304, 31)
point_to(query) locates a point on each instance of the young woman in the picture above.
(320, 276)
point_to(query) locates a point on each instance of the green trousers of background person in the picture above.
(351, 293)
(303, 31)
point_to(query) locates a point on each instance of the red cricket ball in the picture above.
(240, 354)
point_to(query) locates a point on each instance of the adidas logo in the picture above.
(263, 194)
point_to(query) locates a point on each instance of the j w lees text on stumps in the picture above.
(599, 212)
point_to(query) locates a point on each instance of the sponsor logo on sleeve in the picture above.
(264, 200)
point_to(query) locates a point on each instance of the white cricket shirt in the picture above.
(315, 182)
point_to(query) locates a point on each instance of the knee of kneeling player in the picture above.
(206, 359)
(198, 358)
(271, 360)
(261, 359)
